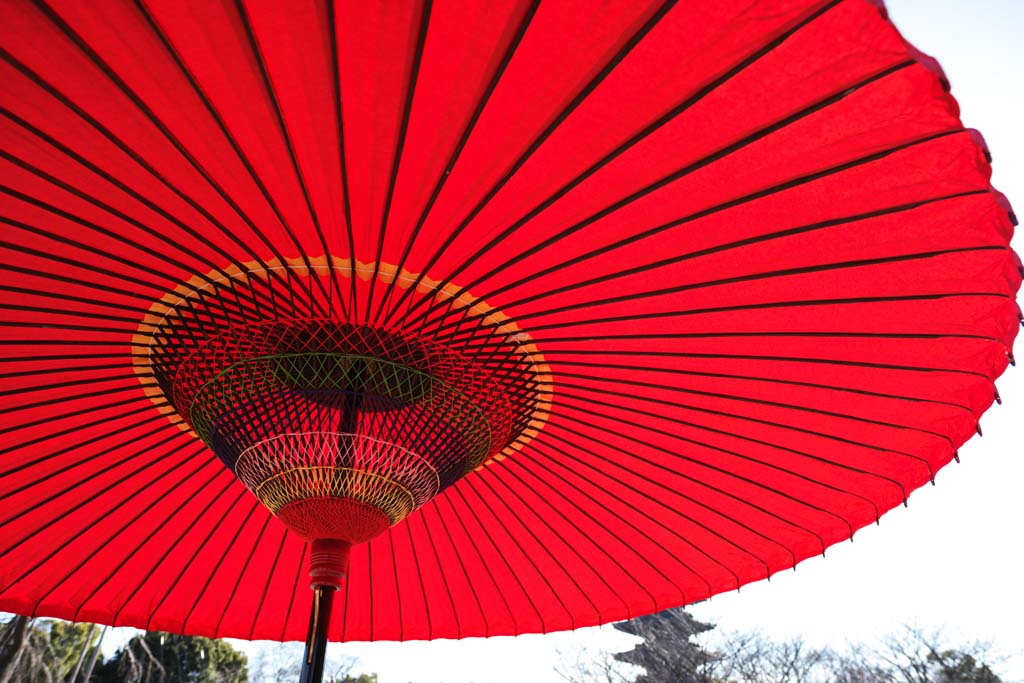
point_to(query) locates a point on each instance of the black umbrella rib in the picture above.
(394, 570)
(803, 409)
(661, 485)
(462, 565)
(698, 482)
(721, 470)
(127, 440)
(569, 108)
(157, 529)
(36, 372)
(93, 56)
(299, 567)
(697, 425)
(256, 505)
(750, 378)
(457, 491)
(64, 400)
(467, 131)
(783, 359)
(755, 277)
(423, 585)
(396, 162)
(92, 409)
(266, 584)
(99, 547)
(643, 133)
(529, 528)
(748, 458)
(545, 500)
(844, 334)
(718, 249)
(121, 145)
(440, 570)
(342, 162)
(559, 460)
(286, 137)
(242, 495)
(75, 382)
(844, 301)
(258, 543)
(174, 545)
(245, 161)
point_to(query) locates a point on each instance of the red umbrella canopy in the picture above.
(558, 313)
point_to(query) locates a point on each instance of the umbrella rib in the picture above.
(765, 305)
(76, 428)
(659, 484)
(735, 454)
(703, 484)
(128, 556)
(220, 560)
(652, 127)
(403, 129)
(173, 546)
(749, 439)
(721, 248)
(67, 489)
(5, 410)
(342, 162)
(238, 581)
(448, 587)
(419, 575)
(245, 161)
(295, 585)
(755, 277)
(785, 359)
(160, 458)
(471, 483)
(266, 585)
(535, 451)
(195, 553)
(622, 541)
(398, 589)
(754, 378)
(569, 108)
(76, 382)
(650, 188)
(800, 408)
(457, 490)
(462, 565)
(36, 372)
(286, 137)
(53, 142)
(131, 153)
(94, 57)
(485, 97)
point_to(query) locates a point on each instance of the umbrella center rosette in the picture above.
(341, 429)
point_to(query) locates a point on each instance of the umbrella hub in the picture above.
(340, 429)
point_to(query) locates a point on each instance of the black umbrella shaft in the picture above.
(316, 639)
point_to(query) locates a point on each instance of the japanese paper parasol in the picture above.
(497, 317)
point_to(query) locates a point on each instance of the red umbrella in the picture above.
(556, 315)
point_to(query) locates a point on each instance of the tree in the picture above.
(43, 649)
(168, 658)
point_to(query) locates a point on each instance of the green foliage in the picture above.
(170, 658)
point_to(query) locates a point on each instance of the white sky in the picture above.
(953, 558)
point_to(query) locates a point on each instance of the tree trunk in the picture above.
(92, 658)
(14, 645)
(81, 655)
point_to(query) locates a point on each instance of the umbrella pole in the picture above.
(316, 639)
(328, 563)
